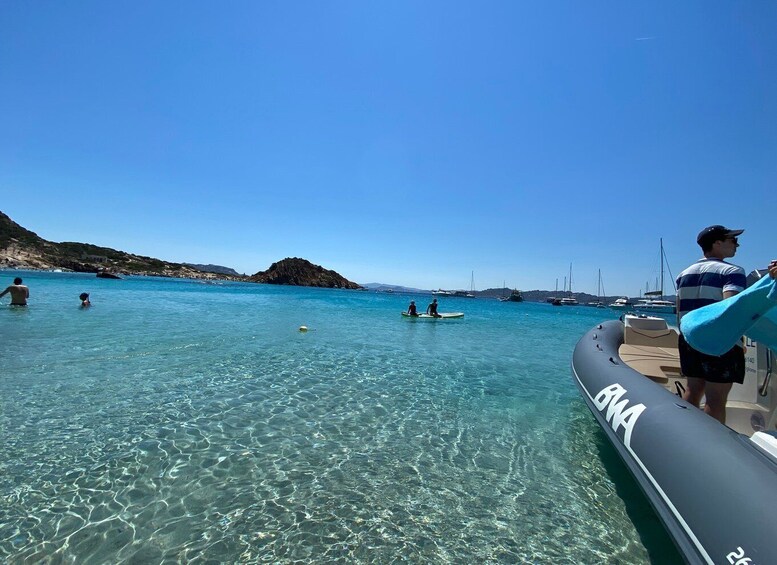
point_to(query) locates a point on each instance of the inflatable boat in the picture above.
(713, 486)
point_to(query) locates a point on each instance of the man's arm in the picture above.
(5, 292)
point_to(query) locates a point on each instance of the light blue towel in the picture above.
(716, 328)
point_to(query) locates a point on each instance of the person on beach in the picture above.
(710, 280)
(412, 310)
(19, 293)
(84, 296)
(432, 308)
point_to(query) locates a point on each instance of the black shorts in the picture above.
(728, 368)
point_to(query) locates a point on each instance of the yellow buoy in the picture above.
(303, 328)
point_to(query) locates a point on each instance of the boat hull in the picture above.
(713, 489)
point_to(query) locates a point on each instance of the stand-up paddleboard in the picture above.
(440, 316)
(715, 328)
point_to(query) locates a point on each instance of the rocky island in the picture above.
(300, 272)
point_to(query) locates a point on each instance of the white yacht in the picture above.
(656, 306)
(622, 303)
(441, 292)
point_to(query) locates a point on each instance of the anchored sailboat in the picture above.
(599, 294)
(569, 300)
(656, 305)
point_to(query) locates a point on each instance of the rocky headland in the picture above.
(21, 248)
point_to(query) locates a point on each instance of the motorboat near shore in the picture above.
(713, 486)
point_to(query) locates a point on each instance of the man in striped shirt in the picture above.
(710, 280)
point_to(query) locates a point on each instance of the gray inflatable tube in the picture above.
(714, 489)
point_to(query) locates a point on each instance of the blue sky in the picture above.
(407, 143)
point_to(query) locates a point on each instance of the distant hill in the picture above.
(300, 272)
(214, 269)
(381, 287)
(21, 248)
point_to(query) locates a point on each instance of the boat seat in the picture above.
(660, 364)
(667, 337)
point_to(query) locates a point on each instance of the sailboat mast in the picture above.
(661, 260)
(604, 292)
(599, 286)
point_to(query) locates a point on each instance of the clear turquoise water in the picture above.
(176, 421)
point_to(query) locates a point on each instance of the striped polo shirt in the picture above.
(704, 283)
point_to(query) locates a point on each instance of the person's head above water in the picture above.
(84, 295)
(17, 280)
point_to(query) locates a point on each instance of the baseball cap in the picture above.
(715, 233)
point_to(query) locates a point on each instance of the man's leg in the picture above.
(717, 395)
(694, 391)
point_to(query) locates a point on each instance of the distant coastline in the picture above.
(21, 248)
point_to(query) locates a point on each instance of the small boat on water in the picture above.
(107, 275)
(713, 486)
(569, 301)
(515, 296)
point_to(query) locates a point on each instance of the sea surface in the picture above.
(177, 421)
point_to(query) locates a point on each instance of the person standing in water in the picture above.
(84, 296)
(19, 293)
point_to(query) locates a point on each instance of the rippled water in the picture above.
(176, 421)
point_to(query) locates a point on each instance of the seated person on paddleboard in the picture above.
(411, 310)
(432, 309)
